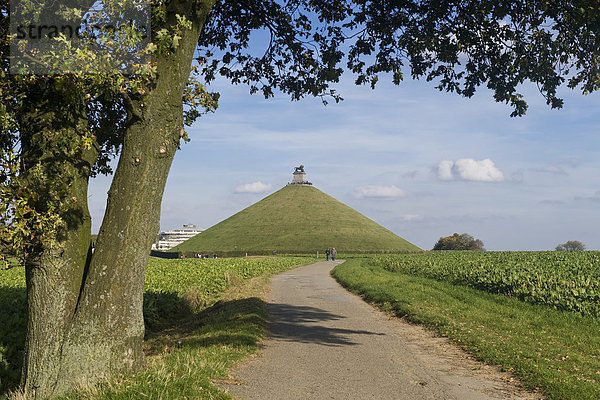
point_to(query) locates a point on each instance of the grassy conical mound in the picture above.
(296, 219)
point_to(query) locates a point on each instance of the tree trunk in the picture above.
(94, 326)
(108, 329)
(54, 270)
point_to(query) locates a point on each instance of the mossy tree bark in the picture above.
(85, 310)
(55, 269)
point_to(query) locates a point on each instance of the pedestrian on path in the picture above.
(327, 254)
(333, 254)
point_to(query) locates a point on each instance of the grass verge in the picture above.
(185, 358)
(196, 334)
(555, 351)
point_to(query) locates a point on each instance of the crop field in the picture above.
(175, 289)
(568, 281)
(210, 276)
(174, 286)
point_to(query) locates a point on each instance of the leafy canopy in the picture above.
(461, 45)
(463, 241)
(571, 245)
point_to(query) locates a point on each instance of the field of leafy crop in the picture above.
(210, 275)
(171, 284)
(563, 280)
(172, 287)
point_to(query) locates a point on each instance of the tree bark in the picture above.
(55, 270)
(85, 311)
(110, 309)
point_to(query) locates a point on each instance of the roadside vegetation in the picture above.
(201, 315)
(563, 280)
(557, 352)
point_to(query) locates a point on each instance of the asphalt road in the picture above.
(326, 343)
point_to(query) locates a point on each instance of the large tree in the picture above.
(85, 309)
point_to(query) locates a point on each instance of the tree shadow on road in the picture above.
(306, 325)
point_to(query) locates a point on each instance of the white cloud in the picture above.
(445, 170)
(472, 170)
(411, 217)
(553, 169)
(254, 187)
(378, 192)
(468, 169)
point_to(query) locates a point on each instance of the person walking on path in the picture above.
(327, 254)
(333, 254)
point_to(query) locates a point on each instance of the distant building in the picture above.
(169, 239)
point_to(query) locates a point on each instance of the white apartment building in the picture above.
(169, 239)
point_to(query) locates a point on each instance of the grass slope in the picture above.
(297, 219)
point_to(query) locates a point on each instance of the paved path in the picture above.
(326, 343)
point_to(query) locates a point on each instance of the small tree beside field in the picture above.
(571, 245)
(459, 242)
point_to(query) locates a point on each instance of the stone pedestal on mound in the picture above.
(299, 178)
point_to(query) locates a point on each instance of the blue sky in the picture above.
(423, 164)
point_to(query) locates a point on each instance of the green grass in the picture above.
(555, 351)
(13, 324)
(201, 317)
(297, 219)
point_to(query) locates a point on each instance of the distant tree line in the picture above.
(459, 242)
(571, 245)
